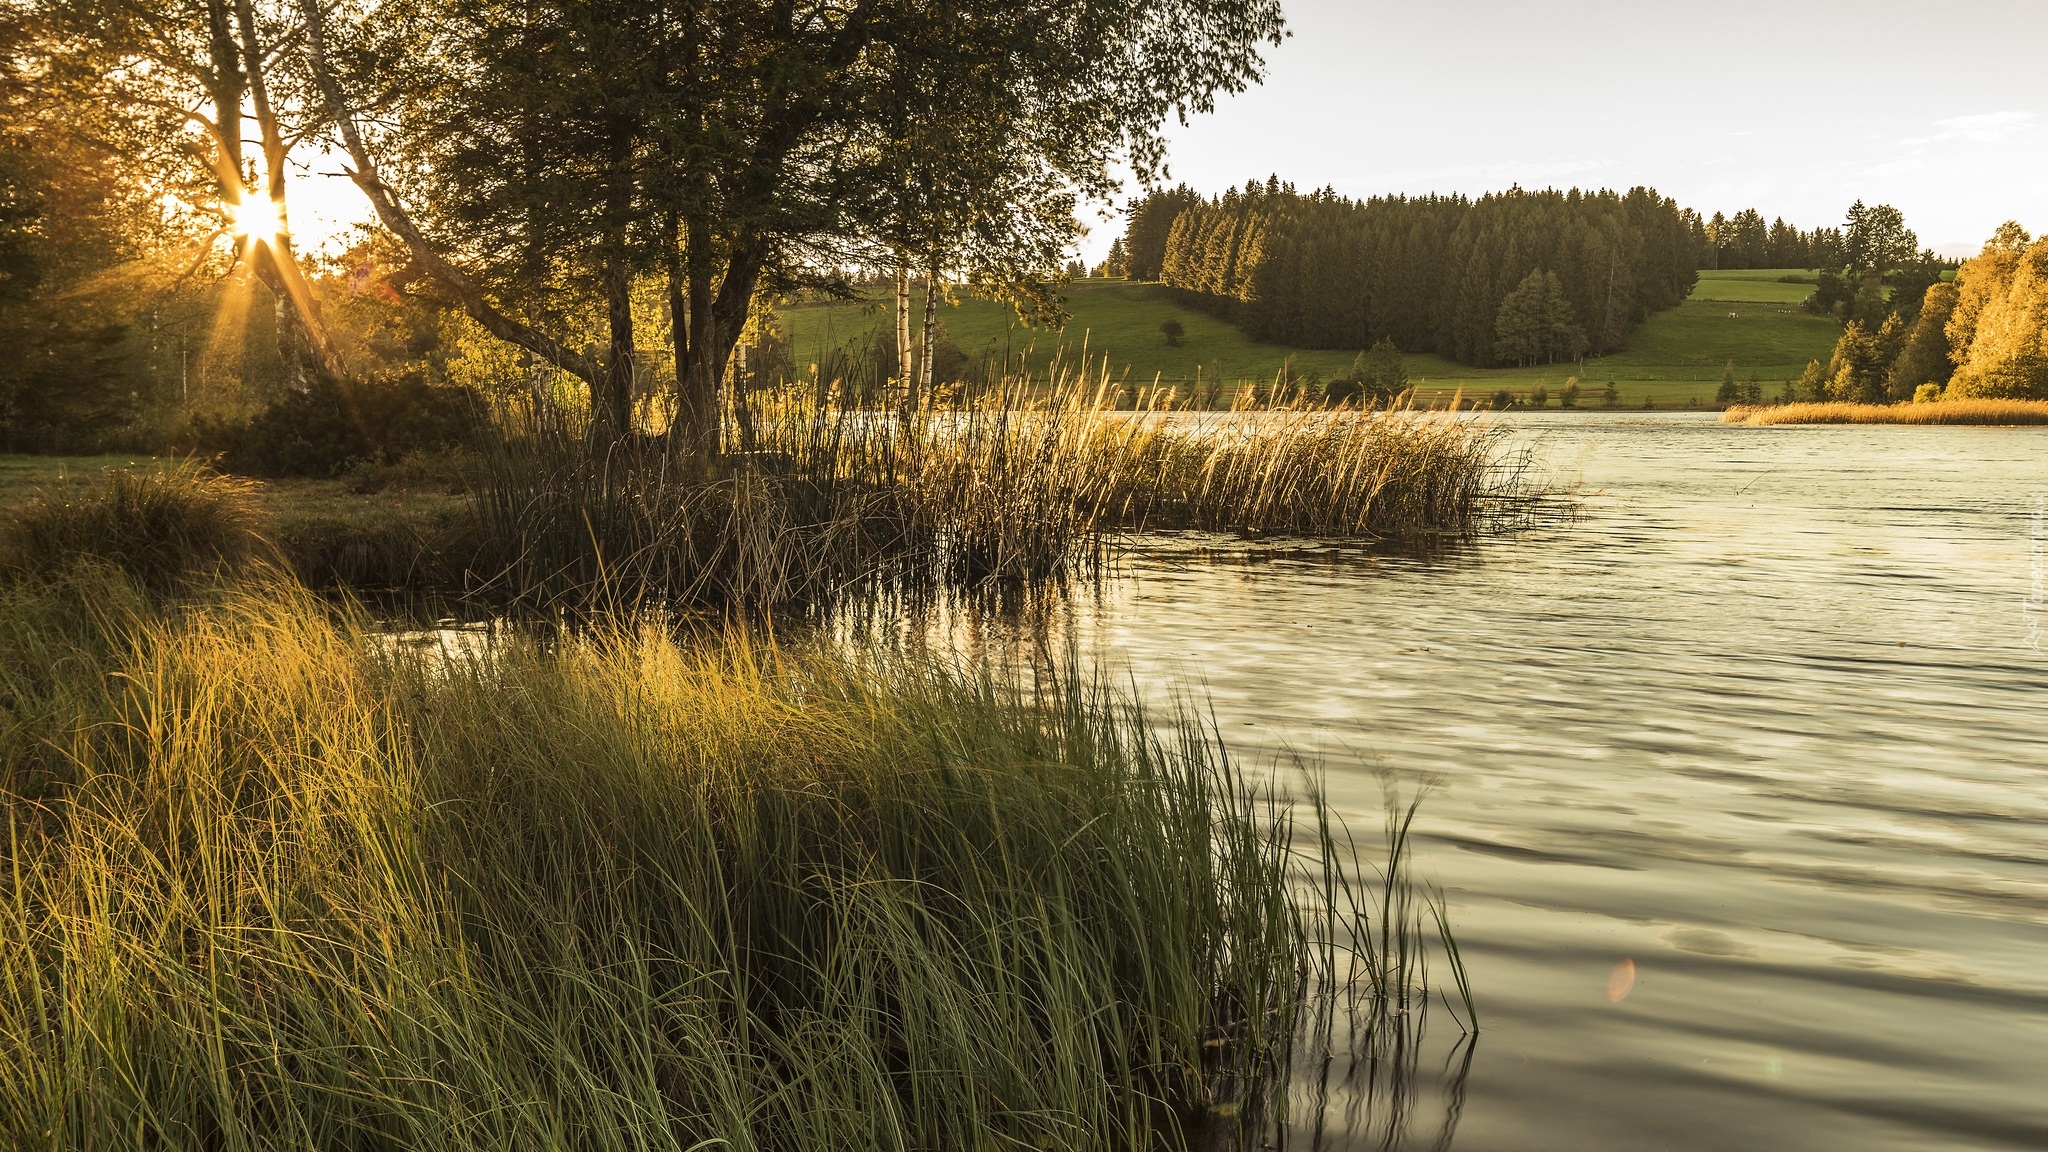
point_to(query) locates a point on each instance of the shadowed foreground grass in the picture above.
(1995, 412)
(273, 881)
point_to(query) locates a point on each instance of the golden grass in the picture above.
(1994, 412)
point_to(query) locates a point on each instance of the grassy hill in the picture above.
(1752, 317)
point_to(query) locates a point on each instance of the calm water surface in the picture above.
(1769, 723)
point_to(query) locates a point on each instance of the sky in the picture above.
(1796, 108)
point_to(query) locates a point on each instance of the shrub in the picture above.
(1569, 398)
(1173, 330)
(163, 526)
(1539, 396)
(1503, 400)
(336, 426)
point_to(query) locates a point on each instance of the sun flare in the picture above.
(256, 220)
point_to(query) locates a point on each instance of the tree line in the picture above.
(1510, 277)
(1745, 241)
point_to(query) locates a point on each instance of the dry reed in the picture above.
(1991, 412)
(164, 526)
(1007, 484)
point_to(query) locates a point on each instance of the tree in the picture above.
(1925, 357)
(734, 147)
(94, 239)
(1536, 322)
(1381, 375)
(1117, 262)
(177, 82)
(1173, 330)
(1877, 239)
(1856, 372)
(1813, 383)
(1430, 272)
(1999, 329)
(1145, 237)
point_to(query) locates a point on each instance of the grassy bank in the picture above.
(1675, 358)
(1993, 412)
(274, 882)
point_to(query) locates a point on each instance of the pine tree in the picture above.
(1382, 376)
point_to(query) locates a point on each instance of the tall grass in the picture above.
(1004, 484)
(165, 527)
(1996, 412)
(270, 882)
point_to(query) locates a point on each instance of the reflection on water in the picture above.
(1739, 782)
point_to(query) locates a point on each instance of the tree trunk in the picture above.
(302, 339)
(686, 403)
(906, 383)
(931, 324)
(611, 408)
(694, 428)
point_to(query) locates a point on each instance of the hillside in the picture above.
(1751, 317)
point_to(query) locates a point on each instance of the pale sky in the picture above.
(1796, 108)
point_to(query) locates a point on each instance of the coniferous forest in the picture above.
(1514, 277)
(1511, 277)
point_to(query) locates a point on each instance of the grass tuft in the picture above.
(165, 527)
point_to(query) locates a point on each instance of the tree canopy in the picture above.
(536, 153)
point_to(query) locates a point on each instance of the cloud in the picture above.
(1982, 128)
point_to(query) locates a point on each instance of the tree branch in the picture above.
(394, 217)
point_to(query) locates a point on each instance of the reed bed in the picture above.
(1992, 412)
(1002, 485)
(272, 882)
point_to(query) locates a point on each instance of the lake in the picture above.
(1737, 785)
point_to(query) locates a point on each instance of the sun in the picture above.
(255, 220)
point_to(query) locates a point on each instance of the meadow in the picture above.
(1676, 358)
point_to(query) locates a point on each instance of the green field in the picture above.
(1749, 316)
(1756, 286)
